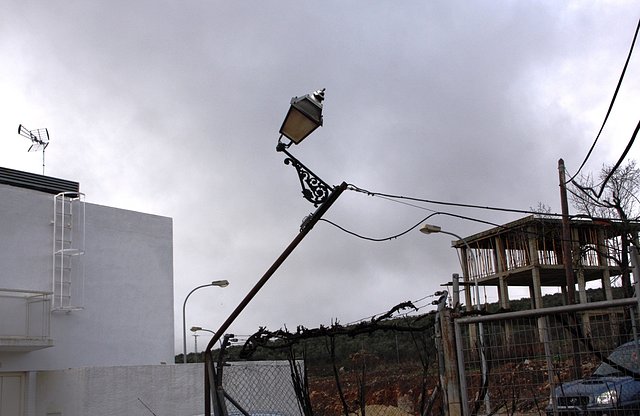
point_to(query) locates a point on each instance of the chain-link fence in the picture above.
(550, 361)
(261, 388)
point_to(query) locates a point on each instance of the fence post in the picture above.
(448, 363)
(635, 269)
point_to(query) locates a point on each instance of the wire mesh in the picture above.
(548, 363)
(262, 388)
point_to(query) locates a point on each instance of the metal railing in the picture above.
(532, 355)
(26, 319)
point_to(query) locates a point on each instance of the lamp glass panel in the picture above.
(297, 126)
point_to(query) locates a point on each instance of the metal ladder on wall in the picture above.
(68, 249)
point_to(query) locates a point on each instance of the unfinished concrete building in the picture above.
(528, 253)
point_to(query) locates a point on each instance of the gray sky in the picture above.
(173, 108)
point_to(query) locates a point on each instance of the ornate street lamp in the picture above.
(303, 117)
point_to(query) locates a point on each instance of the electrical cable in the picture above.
(613, 99)
(612, 171)
(452, 204)
(408, 230)
(390, 197)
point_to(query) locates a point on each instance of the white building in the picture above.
(86, 313)
(81, 285)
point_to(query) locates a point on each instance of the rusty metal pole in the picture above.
(304, 230)
(567, 257)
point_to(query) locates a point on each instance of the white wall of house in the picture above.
(105, 391)
(127, 315)
(175, 390)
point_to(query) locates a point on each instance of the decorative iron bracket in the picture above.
(314, 189)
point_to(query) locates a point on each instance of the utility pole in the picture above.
(567, 257)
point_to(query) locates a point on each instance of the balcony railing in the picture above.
(26, 320)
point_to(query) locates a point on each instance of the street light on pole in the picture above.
(199, 328)
(304, 116)
(432, 229)
(218, 283)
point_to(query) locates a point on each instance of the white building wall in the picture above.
(128, 284)
(25, 238)
(176, 390)
(107, 391)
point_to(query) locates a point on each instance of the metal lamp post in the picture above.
(218, 283)
(304, 116)
(432, 229)
(199, 328)
(195, 330)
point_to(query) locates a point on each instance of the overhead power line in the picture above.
(408, 230)
(612, 171)
(392, 198)
(450, 204)
(613, 99)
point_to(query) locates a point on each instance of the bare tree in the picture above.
(542, 210)
(615, 199)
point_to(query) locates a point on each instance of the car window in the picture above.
(626, 356)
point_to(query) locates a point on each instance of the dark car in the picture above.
(607, 392)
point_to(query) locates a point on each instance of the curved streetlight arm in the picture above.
(219, 283)
(432, 229)
(197, 328)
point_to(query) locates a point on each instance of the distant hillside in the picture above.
(593, 295)
(390, 343)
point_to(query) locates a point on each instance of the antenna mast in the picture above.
(39, 140)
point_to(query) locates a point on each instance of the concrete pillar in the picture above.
(604, 262)
(503, 286)
(466, 278)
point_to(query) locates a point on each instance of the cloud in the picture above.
(173, 109)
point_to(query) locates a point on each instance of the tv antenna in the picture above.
(39, 140)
